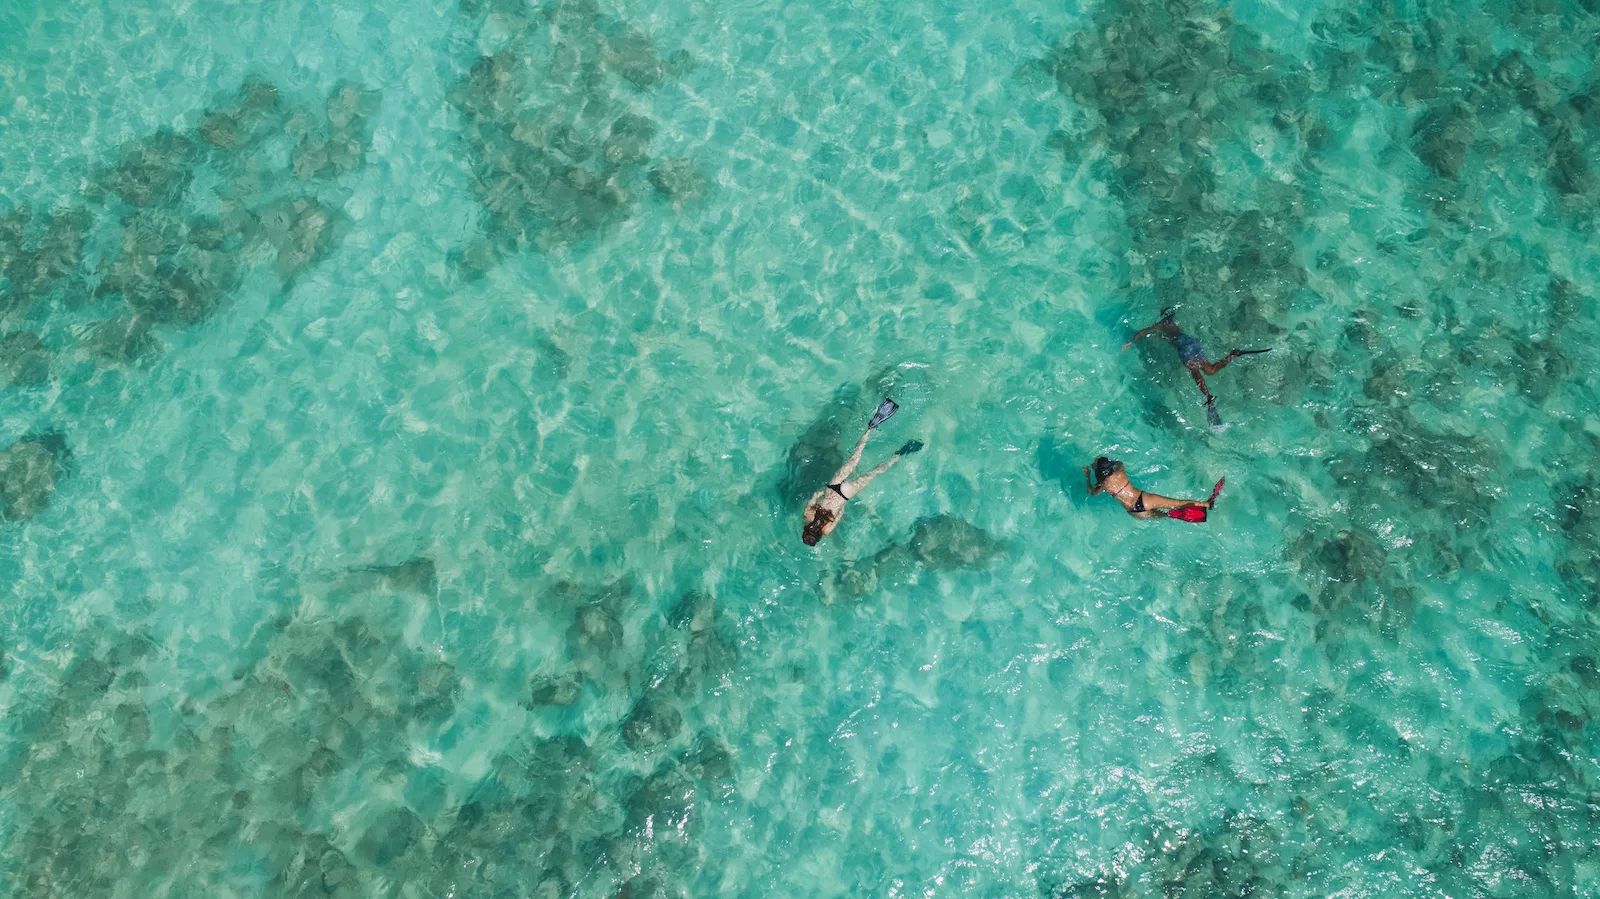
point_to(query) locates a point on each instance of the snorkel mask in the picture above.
(1105, 468)
(813, 531)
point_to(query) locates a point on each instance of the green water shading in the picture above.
(407, 414)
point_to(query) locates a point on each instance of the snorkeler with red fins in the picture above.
(1110, 476)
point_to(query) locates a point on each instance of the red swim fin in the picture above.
(1196, 511)
(1188, 513)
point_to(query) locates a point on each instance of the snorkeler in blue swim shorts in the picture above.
(1193, 355)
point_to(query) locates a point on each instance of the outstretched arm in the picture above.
(1088, 482)
(1164, 327)
(853, 461)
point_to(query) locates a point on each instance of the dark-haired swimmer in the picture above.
(1111, 477)
(1193, 355)
(827, 506)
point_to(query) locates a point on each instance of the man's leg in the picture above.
(1212, 368)
(1201, 381)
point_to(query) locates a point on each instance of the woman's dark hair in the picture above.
(1105, 468)
(813, 531)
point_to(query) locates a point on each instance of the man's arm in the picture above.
(1141, 333)
(1164, 326)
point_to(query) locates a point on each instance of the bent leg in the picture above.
(860, 484)
(1212, 368)
(1201, 381)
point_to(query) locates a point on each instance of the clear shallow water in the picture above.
(404, 513)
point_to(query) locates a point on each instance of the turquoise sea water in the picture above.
(408, 409)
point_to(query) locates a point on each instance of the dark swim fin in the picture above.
(1212, 418)
(1253, 352)
(886, 409)
(910, 447)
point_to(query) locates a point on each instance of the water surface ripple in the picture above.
(406, 410)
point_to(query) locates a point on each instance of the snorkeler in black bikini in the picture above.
(1193, 355)
(1111, 477)
(827, 505)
